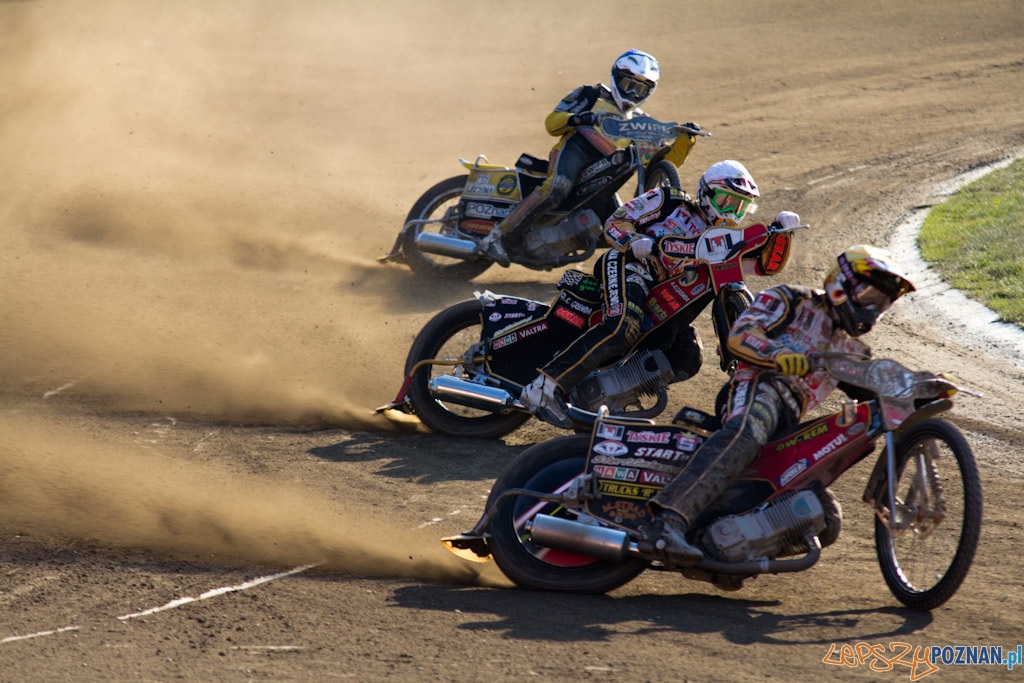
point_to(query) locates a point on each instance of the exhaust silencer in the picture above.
(470, 394)
(433, 243)
(584, 539)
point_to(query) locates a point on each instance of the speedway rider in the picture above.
(634, 76)
(774, 386)
(630, 269)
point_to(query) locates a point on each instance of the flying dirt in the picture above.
(59, 481)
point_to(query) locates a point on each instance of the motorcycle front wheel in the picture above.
(662, 174)
(548, 467)
(938, 506)
(439, 203)
(448, 336)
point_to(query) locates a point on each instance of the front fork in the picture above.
(924, 505)
(731, 301)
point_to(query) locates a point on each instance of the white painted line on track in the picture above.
(11, 639)
(54, 392)
(217, 591)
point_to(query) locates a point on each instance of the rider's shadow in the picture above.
(430, 457)
(575, 618)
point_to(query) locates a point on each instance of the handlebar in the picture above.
(693, 131)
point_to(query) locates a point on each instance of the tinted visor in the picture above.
(727, 202)
(632, 86)
(870, 297)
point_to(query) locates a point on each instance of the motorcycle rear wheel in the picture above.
(662, 174)
(437, 202)
(548, 467)
(938, 490)
(449, 335)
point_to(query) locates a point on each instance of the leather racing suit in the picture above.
(626, 280)
(577, 148)
(761, 401)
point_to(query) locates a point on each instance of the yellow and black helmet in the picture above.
(863, 285)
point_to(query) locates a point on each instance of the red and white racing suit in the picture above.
(626, 281)
(760, 400)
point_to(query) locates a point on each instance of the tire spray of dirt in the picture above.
(58, 483)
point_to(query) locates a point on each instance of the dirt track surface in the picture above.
(196, 331)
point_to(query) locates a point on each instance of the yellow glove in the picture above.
(792, 363)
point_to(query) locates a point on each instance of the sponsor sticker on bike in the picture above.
(610, 431)
(611, 448)
(507, 184)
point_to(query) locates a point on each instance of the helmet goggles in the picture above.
(727, 202)
(635, 87)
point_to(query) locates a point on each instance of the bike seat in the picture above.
(700, 422)
(532, 165)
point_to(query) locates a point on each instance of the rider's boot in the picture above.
(668, 532)
(542, 398)
(493, 246)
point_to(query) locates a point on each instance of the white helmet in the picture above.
(726, 192)
(634, 76)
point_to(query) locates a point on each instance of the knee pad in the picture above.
(560, 188)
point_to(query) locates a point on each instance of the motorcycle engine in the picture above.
(621, 386)
(776, 530)
(569, 234)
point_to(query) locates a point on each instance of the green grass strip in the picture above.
(975, 240)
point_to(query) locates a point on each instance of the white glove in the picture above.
(642, 247)
(787, 220)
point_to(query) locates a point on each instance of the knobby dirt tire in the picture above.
(433, 204)
(441, 418)
(662, 174)
(947, 547)
(546, 467)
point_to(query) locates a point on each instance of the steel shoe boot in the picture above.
(541, 398)
(668, 532)
(492, 245)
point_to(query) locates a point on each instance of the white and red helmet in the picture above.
(726, 192)
(634, 76)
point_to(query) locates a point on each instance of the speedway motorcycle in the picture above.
(467, 367)
(570, 514)
(444, 226)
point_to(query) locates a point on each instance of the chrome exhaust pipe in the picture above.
(593, 541)
(471, 394)
(455, 247)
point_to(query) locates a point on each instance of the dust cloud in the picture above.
(64, 484)
(181, 229)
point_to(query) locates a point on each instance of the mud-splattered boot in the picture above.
(668, 533)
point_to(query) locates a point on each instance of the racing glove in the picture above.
(584, 118)
(787, 220)
(642, 247)
(792, 363)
